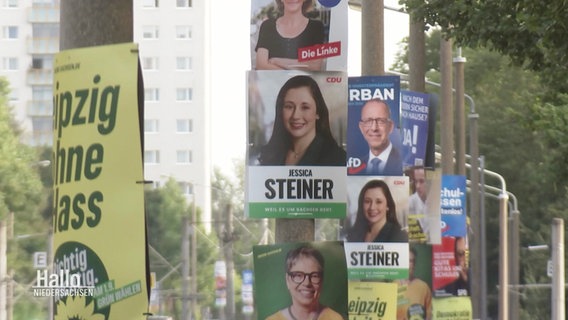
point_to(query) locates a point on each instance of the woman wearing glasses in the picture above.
(301, 134)
(304, 280)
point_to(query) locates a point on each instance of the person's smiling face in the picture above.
(376, 126)
(375, 206)
(299, 113)
(305, 293)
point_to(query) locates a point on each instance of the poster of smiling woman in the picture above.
(296, 137)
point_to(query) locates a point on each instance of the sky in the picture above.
(230, 54)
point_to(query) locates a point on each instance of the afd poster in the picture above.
(372, 300)
(97, 189)
(453, 206)
(299, 35)
(296, 136)
(373, 127)
(414, 112)
(288, 275)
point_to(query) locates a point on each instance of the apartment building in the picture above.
(173, 39)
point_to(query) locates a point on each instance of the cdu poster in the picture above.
(98, 216)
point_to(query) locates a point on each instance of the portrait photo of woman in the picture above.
(300, 133)
(376, 217)
(280, 37)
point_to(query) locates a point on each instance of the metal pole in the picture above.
(558, 308)
(416, 55)
(459, 63)
(372, 37)
(483, 237)
(446, 114)
(229, 263)
(193, 257)
(503, 258)
(477, 293)
(185, 268)
(514, 264)
(3, 271)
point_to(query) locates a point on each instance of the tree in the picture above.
(506, 99)
(530, 33)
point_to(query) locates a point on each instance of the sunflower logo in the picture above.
(77, 308)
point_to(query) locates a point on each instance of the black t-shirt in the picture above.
(281, 47)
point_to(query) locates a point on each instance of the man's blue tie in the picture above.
(375, 165)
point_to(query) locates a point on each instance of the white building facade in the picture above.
(173, 38)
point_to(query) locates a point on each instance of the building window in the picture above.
(10, 3)
(183, 156)
(10, 63)
(10, 32)
(186, 188)
(183, 3)
(184, 125)
(42, 93)
(183, 32)
(151, 125)
(150, 3)
(151, 94)
(150, 63)
(151, 157)
(150, 32)
(184, 94)
(183, 63)
(13, 95)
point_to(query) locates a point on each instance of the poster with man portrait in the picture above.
(289, 274)
(308, 35)
(450, 267)
(373, 128)
(296, 137)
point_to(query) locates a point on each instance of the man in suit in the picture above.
(376, 126)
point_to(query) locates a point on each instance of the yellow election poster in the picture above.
(372, 300)
(99, 265)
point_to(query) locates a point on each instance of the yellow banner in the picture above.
(98, 217)
(372, 300)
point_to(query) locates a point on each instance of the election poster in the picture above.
(450, 268)
(295, 155)
(372, 202)
(98, 186)
(310, 273)
(415, 293)
(372, 300)
(317, 43)
(374, 145)
(453, 206)
(414, 109)
(453, 308)
(424, 219)
(376, 261)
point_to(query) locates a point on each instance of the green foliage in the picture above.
(529, 32)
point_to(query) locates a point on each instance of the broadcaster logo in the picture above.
(60, 285)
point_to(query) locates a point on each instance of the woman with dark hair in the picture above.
(279, 39)
(376, 216)
(301, 134)
(304, 280)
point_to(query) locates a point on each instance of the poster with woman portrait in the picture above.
(377, 209)
(302, 280)
(296, 138)
(309, 35)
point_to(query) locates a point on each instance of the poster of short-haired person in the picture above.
(424, 218)
(300, 280)
(296, 138)
(372, 300)
(415, 293)
(373, 128)
(450, 267)
(414, 109)
(453, 206)
(309, 35)
(98, 214)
